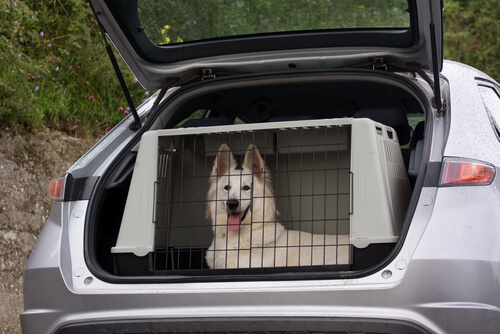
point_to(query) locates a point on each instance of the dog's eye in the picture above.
(246, 188)
(227, 187)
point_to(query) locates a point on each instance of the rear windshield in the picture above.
(178, 21)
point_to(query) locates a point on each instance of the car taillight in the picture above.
(462, 172)
(55, 189)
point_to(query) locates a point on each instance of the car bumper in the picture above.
(439, 287)
(420, 304)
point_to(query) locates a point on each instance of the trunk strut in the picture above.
(137, 124)
(438, 104)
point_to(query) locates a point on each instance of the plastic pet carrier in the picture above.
(323, 189)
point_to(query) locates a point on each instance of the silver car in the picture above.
(304, 166)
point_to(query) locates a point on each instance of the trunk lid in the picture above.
(174, 42)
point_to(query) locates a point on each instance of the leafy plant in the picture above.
(54, 68)
(472, 34)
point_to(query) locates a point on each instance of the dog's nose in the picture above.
(233, 204)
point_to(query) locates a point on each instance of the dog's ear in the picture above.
(224, 161)
(253, 161)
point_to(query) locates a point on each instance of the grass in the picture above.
(55, 73)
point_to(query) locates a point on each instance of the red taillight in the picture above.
(457, 171)
(55, 189)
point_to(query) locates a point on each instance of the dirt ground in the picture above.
(27, 164)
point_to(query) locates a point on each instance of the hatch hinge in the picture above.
(208, 73)
(379, 63)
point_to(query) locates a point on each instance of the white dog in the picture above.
(242, 208)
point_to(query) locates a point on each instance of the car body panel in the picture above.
(419, 291)
(467, 133)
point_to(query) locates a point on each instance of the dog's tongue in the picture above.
(233, 221)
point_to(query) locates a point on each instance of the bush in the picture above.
(472, 34)
(54, 68)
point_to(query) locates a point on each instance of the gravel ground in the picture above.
(27, 164)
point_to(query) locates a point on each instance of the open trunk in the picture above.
(340, 150)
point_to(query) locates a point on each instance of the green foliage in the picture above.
(472, 34)
(54, 70)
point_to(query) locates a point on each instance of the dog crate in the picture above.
(337, 179)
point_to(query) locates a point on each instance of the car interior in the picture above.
(386, 98)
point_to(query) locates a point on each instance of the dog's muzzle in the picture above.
(234, 216)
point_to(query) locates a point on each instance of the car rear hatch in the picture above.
(173, 42)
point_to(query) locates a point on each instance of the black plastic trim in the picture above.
(432, 174)
(79, 188)
(263, 325)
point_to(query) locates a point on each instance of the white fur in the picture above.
(260, 241)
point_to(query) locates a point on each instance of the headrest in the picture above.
(418, 134)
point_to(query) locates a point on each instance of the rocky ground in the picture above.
(27, 164)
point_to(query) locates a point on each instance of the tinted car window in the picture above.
(175, 21)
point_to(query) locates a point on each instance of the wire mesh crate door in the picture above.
(253, 199)
(308, 194)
